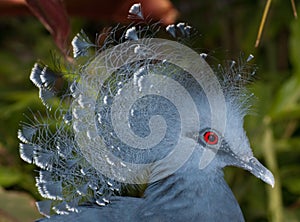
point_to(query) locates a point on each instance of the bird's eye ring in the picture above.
(210, 137)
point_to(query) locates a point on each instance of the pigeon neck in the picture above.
(202, 194)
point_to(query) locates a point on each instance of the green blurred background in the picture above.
(224, 30)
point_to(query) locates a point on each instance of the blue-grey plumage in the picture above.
(144, 111)
(189, 194)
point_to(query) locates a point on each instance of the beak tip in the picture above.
(261, 172)
(269, 179)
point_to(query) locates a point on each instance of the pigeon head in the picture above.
(220, 137)
(231, 147)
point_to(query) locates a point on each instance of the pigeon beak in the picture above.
(259, 170)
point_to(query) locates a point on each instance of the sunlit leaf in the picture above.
(287, 97)
(9, 176)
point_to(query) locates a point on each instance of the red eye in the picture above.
(211, 138)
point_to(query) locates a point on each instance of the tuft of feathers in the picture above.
(234, 77)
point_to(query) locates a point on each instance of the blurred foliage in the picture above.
(225, 29)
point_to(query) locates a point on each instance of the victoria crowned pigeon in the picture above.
(141, 114)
